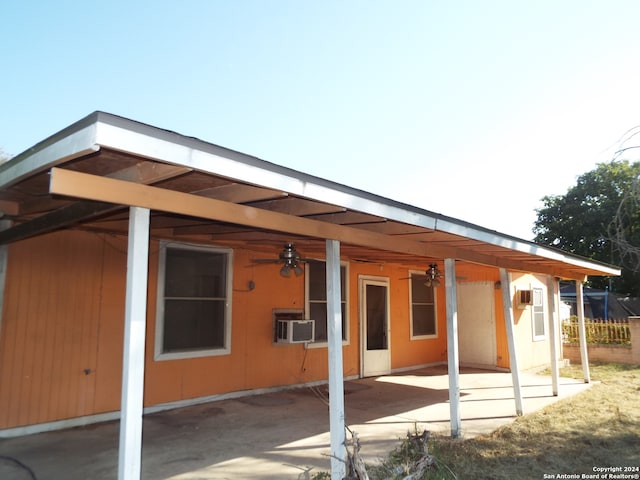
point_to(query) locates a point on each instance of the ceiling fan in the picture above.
(290, 260)
(433, 276)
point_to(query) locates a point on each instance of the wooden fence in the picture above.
(598, 331)
(610, 341)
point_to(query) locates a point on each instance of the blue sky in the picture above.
(474, 109)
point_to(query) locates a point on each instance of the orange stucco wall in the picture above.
(58, 348)
(255, 362)
(62, 329)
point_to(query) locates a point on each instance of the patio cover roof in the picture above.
(87, 175)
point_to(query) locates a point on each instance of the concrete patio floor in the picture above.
(280, 435)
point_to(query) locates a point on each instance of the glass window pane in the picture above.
(420, 293)
(317, 281)
(537, 297)
(424, 320)
(538, 327)
(193, 324)
(316, 272)
(194, 273)
(538, 312)
(318, 312)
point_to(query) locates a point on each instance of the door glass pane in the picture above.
(376, 317)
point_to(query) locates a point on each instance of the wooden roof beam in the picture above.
(65, 216)
(91, 187)
(298, 206)
(241, 193)
(80, 211)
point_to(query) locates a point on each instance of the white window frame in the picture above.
(538, 308)
(435, 308)
(159, 355)
(307, 302)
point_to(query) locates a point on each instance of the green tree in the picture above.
(593, 217)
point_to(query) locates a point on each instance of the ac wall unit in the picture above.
(524, 298)
(295, 331)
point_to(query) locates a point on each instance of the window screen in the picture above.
(423, 307)
(316, 277)
(538, 314)
(195, 299)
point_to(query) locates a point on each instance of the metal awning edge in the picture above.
(120, 133)
(102, 129)
(74, 141)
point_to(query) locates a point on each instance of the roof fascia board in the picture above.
(523, 246)
(104, 129)
(75, 141)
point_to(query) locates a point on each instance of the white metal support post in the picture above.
(336, 376)
(554, 344)
(453, 359)
(130, 452)
(505, 283)
(584, 354)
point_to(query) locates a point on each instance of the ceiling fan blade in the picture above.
(265, 260)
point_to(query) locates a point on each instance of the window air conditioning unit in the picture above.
(524, 298)
(295, 331)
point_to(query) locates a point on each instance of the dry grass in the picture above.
(599, 427)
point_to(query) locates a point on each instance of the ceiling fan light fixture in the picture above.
(291, 260)
(285, 271)
(432, 276)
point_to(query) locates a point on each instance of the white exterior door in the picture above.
(476, 324)
(374, 321)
